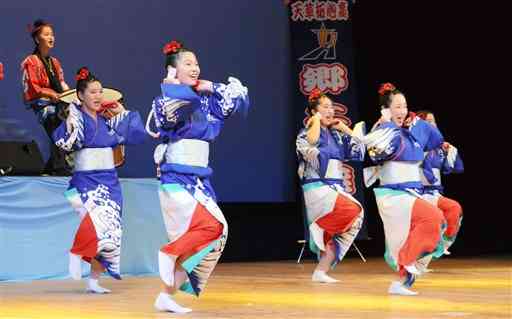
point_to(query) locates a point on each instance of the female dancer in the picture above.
(94, 190)
(334, 216)
(189, 116)
(412, 226)
(446, 160)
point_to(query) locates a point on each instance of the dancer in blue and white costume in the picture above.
(189, 116)
(94, 190)
(334, 217)
(412, 226)
(443, 160)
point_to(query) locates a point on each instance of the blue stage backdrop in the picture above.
(121, 42)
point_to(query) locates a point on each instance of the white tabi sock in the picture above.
(396, 288)
(164, 302)
(94, 287)
(321, 276)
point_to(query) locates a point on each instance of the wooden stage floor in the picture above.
(459, 288)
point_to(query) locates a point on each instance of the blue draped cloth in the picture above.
(37, 226)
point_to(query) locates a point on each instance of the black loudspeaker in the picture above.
(20, 158)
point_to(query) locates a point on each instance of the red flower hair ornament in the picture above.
(385, 88)
(315, 94)
(82, 75)
(172, 47)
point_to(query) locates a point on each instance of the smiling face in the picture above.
(326, 109)
(45, 39)
(187, 68)
(92, 96)
(398, 109)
